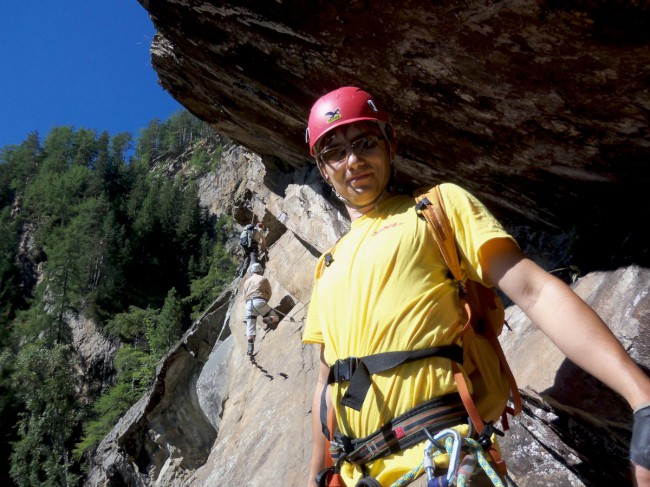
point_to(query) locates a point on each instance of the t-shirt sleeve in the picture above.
(473, 226)
(313, 332)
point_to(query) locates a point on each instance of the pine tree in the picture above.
(162, 334)
(46, 387)
(10, 297)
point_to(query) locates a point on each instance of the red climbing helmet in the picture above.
(341, 107)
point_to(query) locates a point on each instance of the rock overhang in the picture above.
(538, 108)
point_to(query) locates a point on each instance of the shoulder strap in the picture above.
(431, 206)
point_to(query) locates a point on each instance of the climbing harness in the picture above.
(255, 308)
(465, 455)
(399, 433)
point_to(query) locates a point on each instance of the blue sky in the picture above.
(83, 63)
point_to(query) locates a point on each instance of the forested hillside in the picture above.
(92, 226)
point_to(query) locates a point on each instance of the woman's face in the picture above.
(356, 161)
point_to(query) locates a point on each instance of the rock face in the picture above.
(539, 107)
(95, 354)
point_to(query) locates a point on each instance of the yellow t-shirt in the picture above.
(388, 289)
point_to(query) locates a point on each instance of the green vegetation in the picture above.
(92, 225)
(44, 386)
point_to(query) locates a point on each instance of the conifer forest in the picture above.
(92, 226)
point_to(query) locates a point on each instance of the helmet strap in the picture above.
(348, 203)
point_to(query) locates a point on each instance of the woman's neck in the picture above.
(357, 212)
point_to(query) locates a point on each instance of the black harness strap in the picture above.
(402, 432)
(358, 371)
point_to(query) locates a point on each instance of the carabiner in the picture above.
(454, 454)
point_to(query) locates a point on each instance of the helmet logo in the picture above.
(333, 116)
(373, 106)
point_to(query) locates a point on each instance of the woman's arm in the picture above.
(318, 443)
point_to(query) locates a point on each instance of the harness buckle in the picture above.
(485, 438)
(344, 369)
(419, 207)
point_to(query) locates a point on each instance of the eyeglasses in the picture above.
(337, 155)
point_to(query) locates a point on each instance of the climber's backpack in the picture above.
(484, 362)
(246, 236)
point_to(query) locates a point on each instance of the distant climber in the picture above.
(253, 241)
(257, 292)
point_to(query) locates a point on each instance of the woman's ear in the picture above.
(322, 171)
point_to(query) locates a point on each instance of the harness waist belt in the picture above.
(402, 432)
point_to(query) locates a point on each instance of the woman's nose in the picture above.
(352, 159)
